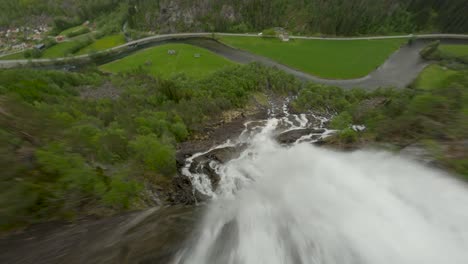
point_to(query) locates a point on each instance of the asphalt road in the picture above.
(399, 70)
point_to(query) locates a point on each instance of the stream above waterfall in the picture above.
(299, 203)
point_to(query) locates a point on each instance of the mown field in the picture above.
(455, 50)
(59, 50)
(104, 43)
(158, 62)
(16, 56)
(433, 77)
(329, 59)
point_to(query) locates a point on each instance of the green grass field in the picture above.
(330, 59)
(455, 50)
(159, 63)
(16, 56)
(103, 44)
(434, 76)
(59, 50)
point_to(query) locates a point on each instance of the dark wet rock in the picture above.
(215, 134)
(226, 154)
(151, 236)
(212, 175)
(183, 190)
(419, 152)
(293, 135)
(203, 164)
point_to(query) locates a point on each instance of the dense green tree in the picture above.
(333, 17)
(155, 154)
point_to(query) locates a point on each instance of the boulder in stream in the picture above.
(292, 136)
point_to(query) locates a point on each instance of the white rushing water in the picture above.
(304, 204)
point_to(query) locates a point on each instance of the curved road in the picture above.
(399, 70)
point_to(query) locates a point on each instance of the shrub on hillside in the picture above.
(342, 121)
(77, 32)
(430, 52)
(270, 32)
(348, 136)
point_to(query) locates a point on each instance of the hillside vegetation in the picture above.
(333, 17)
(75, 144)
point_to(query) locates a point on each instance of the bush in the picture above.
(120, 192)
(154, 154)
(33, 53)
(348, 136)
(342, 121)
(269, 32)
(430, 52)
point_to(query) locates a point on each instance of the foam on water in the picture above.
(304, 204)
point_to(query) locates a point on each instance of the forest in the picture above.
(329, 17)
(86, 143)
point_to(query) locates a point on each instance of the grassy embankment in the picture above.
(330, 59)
(455, 50)
(159, 63)
(104, 43)
(434, 76)
(75, 31)
(59, 50)
(16, 56)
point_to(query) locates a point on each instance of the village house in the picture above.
(59, 38)
(282, 34)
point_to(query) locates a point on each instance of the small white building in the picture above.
(282, 34)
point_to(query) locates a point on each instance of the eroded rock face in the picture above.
(151, 236)
(180, 15)
(183, 190)
(419, 152)
(207, 163)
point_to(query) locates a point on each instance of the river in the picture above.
(300, 203)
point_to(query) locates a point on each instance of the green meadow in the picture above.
(15, 56)
(331, 59)
(75, 31)
(59, 50)
(433, 77)
(455, 50)
(158, 62)
(104, 43)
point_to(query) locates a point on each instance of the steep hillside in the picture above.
(333, 17)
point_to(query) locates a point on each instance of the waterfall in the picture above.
(299, 203)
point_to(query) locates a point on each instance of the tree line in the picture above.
(73, 144)
(331, 17)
